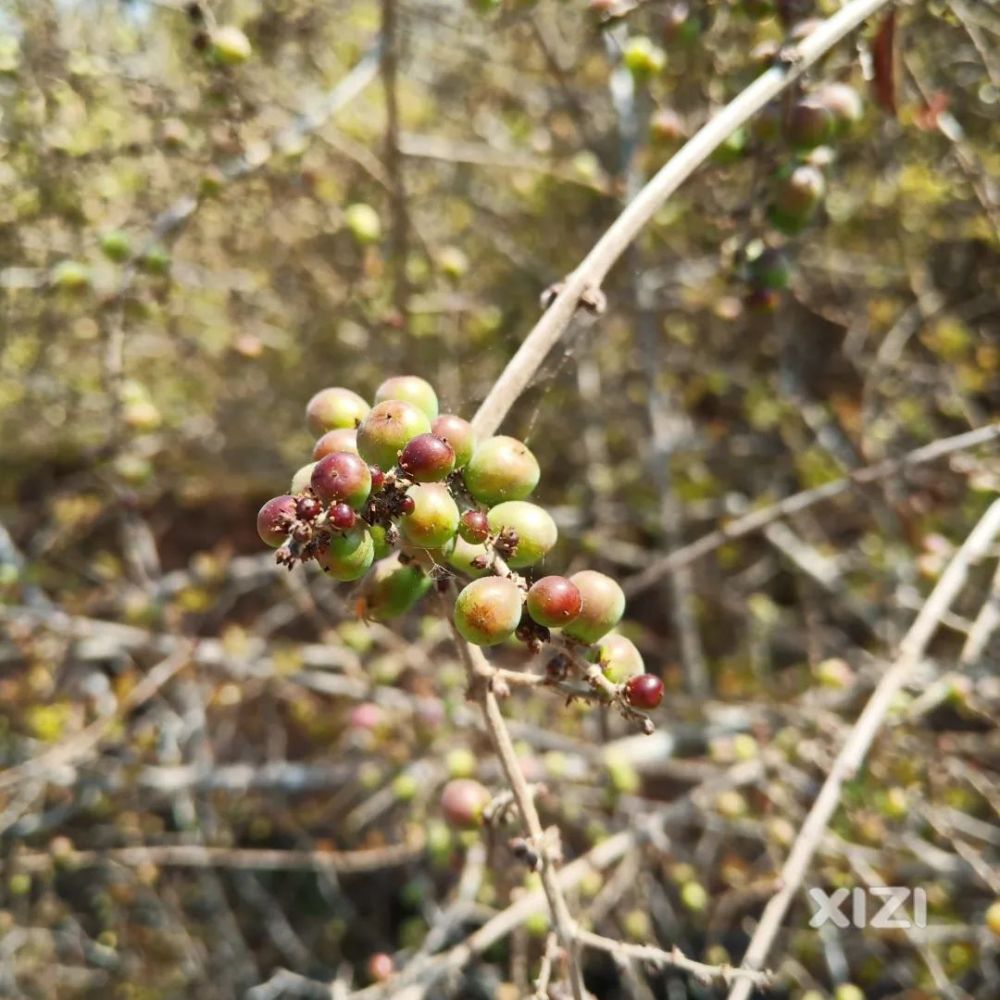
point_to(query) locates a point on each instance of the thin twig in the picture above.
(798, 502)
(591, 272)
(911, 652)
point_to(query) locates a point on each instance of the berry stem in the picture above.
(481, 675)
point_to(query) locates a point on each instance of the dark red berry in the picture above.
(308, 508)
(427, 458)
(474, 527)
(341, 476)
(378, 477)
(407, 505)
(554, 601)
(644, 691)
(274, 520)
(342, 516)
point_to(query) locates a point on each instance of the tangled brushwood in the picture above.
(400, 497)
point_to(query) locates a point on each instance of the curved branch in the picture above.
(519, 372)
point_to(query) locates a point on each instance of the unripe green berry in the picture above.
(643, 58)
(392, 589)
(116, 245)
(458, 433)
(488, 610)
(694, 896)
(501, 468)
(619, 658)
(603, 606)
(461, 763)
(554, 601)
(535, 529)
(341, 439)
(992, 918)
(434, 520)
(302, 479)
(799, 192)
(452, 262)
(349, 556)
(410, 389)
(848, 991)
(155, 260)
(363, 223)
(387, 429)
(731, 149)
(334, 408)
(230, 46)
(468, 558)
(70, 276)
(342, 476)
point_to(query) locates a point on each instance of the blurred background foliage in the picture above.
(179, 272)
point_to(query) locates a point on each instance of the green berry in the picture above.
(230, 46)
(461, 763)
(434, 520)
(335, 408)
(155, 260)
(392, 589)
(554, 601)
(848, 991)
(363, 223)
(536, 531)
(468, 558)
(341, 439)
(349, 555)
(619, 658)
(116, 245)
(501, 468)
(452, 263)
(302, 479)
(387, 429)
(603, 606)
(694, 896)
(488, 610)
(992, 918)
(458, 433)
(769, 270)
(643, 58)
(410, 389)
(731, 148)
(797, 196)
(70, 275)
(342, 476)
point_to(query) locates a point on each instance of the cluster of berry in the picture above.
(398, 495)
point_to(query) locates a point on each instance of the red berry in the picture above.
(554, 601)
(341, 476)
(474, 527)
(407, 505)
(644, 691)
(342, 516)
(427, 458)
(274, 520)
(308, 508)
(378, 477)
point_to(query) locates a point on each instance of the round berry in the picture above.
(387, 429)
(434, 518)
(603, 606)
(458, 433)
(339, 439)
(116, 245)
(474, 527)
(363, 223)
(644, 691)
(230, 46)
(798, 194)
(302, 478)
(410, 389)
(275, 519)
(844, 103)
(378, 478)
(501, 468)
(993, 918)
(342, 516)
(619, 658)
(70, 275)
(642, 58)
(666, 126)
(809, 124)
(769, 270)
(380, 967)
(554, 601)
(488, 610)
(342, 476)
(392, 589)
(427, 458)
(308, 508)
(349, 556)
(335, 407)
(468, 558)
(536, 531)
(463, 801)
